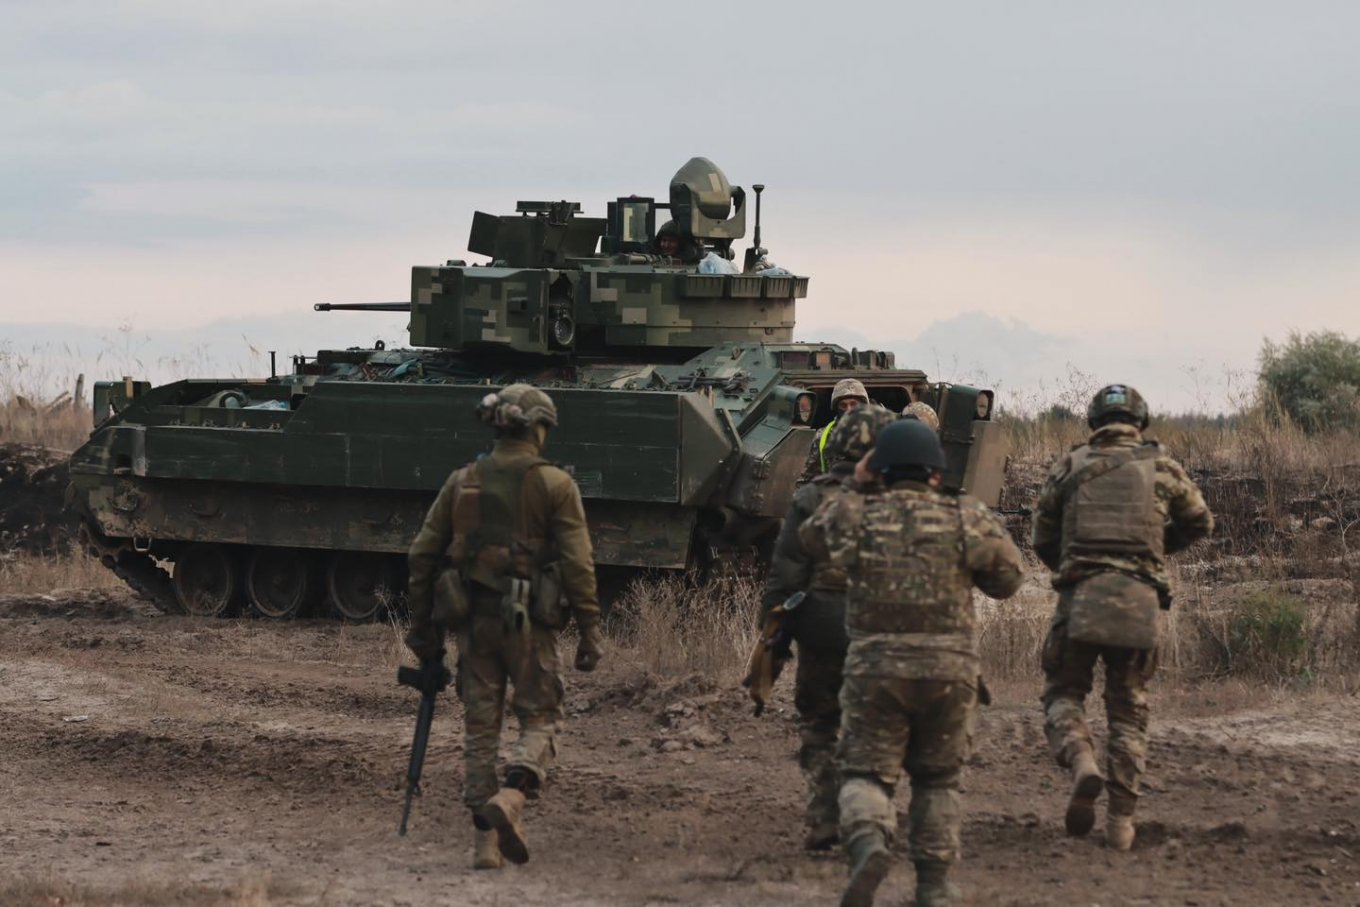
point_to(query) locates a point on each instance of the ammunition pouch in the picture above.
(1114, 609)
(550, 607)
(451, 607)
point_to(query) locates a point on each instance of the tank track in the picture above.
(138, 570)
(144, 577)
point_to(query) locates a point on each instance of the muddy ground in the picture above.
(158, 760)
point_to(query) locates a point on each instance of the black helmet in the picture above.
(1114, 400)
(906, 443)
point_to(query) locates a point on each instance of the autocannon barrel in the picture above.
(362, 307)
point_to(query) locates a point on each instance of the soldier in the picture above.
(818, 625)
(501, 561)
(912, 554)
(1109, 512)
(670, 243)
(924, 412)
(848, 394)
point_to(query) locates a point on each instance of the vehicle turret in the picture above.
(559, 283)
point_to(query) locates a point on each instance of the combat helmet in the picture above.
(923, 412)
(854, 434)
(517, 405)
(1115, 400)
(848, 387)
(907, 443)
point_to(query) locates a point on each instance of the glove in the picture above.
(588, 650)
(425, 641)
(434, 675)
(431, 678)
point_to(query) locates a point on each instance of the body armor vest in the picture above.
(911, 575)
(1110, 504)
(490, 544)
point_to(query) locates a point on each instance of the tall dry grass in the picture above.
(45, 423)
(32, 574)
(678, 625)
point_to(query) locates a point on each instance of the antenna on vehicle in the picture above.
(755, 253)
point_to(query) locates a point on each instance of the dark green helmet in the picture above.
(1115, 400)
(854, 434)
(907, 443)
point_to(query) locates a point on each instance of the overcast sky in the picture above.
(1138, 191)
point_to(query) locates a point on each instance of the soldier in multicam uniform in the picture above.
(912, 554)
(1109, 513)
(846, 396)
(818, 625)
(502, 560)
(923, 412)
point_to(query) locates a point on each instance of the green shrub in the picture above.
(1315, 379)
(1268, 636)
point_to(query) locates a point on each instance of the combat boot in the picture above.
(1119, 832)
(486, 853)
(503, 812)
(870, 861)
(822, 836)
(1087, 784)
(933, 888)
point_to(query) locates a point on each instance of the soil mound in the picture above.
(33, 517)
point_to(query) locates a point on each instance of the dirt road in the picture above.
(154, 760)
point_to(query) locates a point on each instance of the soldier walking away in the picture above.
(818, 625)
(501, 562)
(848, 395)
(912, 554)
(1109, 513)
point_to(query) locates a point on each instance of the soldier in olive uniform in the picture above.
(846, 396)
(818, 624)
(912, 554)
(502, 560)
(1108, 514)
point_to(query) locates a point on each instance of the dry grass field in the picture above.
(152, 760)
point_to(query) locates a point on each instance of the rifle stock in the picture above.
(771, 652)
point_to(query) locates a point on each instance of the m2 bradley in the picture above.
(686, 413)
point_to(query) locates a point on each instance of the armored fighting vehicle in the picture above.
(686, 411)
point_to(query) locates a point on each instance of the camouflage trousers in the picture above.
(489, 656)
(816, 695)
(891, 723)
(1069, 669)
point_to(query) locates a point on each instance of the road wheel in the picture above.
(278, 582)
(206, 581)
(359, 585)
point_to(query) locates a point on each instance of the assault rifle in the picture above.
(431, 679)
(771, 653)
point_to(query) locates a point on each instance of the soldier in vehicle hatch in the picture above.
(1109, 513)
(502, 561)
(912, 554)
(818, 625)
(670, 244)
(848, 394)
